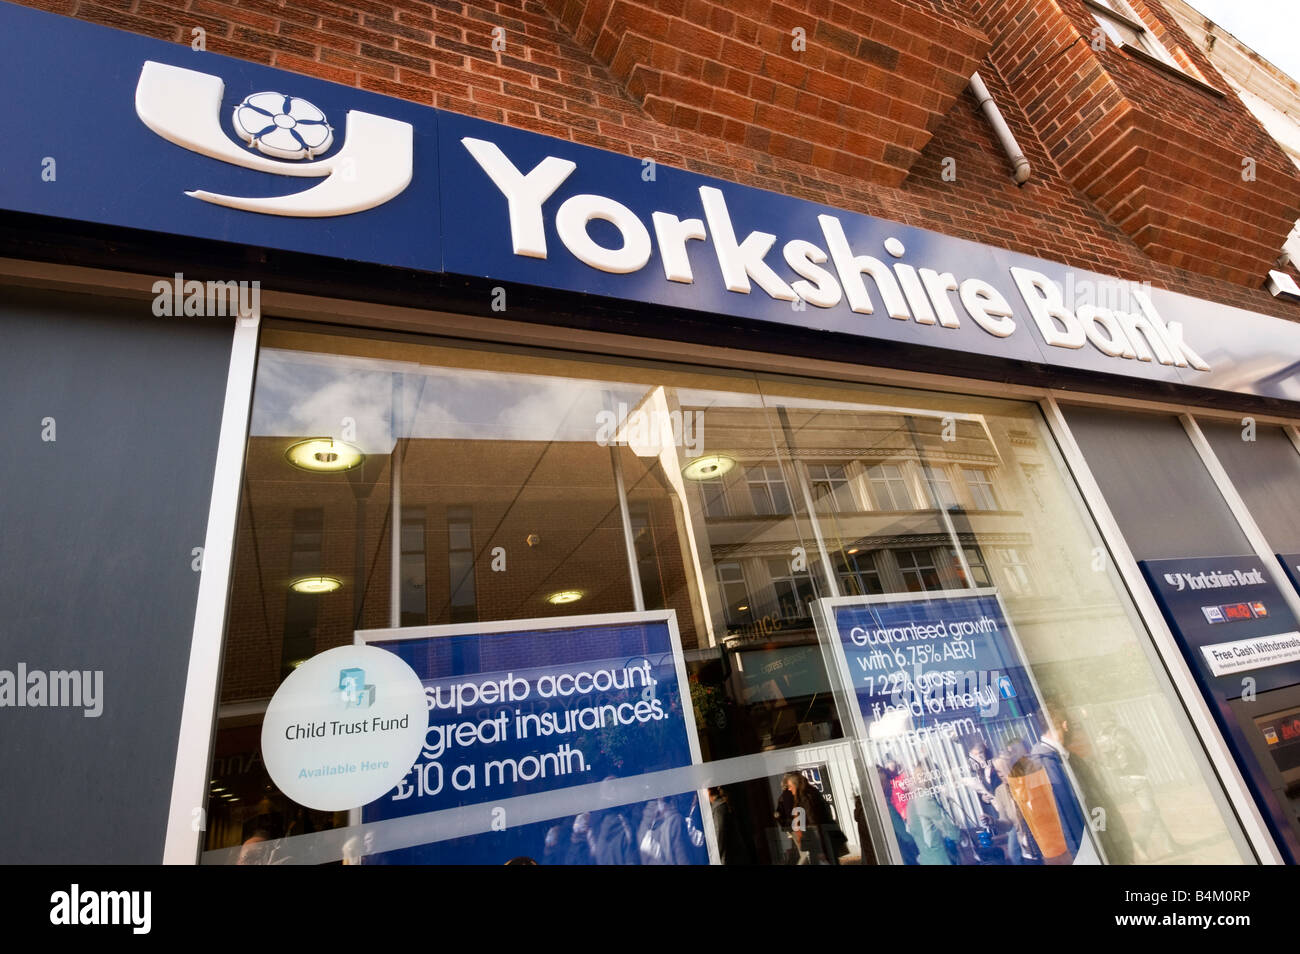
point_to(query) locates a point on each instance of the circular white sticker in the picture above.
(344, 728)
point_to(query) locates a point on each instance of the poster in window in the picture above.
(967, 764)
(539, 730)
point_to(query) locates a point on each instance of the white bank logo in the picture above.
(1215, 579)
(374, 164)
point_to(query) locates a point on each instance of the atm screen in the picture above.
(1281, 731)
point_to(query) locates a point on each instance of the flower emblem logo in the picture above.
(285, 127)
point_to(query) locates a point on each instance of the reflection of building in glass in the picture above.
(520, 496)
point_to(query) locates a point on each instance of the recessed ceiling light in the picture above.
(316, 584)
(564, 596)
(708, 467)
(742, 608)
(324, 455)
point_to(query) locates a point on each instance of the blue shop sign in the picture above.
(156, 136)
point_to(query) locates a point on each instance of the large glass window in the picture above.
(527, 487)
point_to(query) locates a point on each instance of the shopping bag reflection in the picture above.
(1032, 790)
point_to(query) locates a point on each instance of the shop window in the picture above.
(767, 490)
(889, 487)
(829, 485)
(509, 461)
(980, 486)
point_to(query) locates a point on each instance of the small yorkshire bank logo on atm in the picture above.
(864, 281)
(1215, 579)
(373, 165)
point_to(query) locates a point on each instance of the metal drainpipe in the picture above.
(999, 124)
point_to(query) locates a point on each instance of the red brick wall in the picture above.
(1160, 156)
(823, 84)
(547, 80)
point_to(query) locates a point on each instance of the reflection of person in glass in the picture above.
(1021, 847)
(783, 815)
(906, 846)
(734, 846)
(662, 836)
(1042, 789)
(810, 822)
(927, 822)
(984, 773)
(579, 850)
(612, 840)
(1125, 758)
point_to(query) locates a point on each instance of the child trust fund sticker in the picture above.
(344, 728)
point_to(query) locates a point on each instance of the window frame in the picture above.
(984, 485)
(873, 480)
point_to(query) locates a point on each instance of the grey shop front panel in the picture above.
(109, 419)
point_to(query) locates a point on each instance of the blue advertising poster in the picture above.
(536, 707)
(1240, 639)
(971, 768)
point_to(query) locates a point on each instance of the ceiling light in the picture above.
(564, 596)
(316, 584)
(708, 467)
(324, 455)
(742, 608)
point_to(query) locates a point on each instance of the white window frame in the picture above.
(901, 479)
(1015, 570)
(928, 474)
(830, 502)
(985, 485)
(1113, 14)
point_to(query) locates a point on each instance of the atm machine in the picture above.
(1242, 642)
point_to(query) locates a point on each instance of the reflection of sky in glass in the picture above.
(310, 395)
